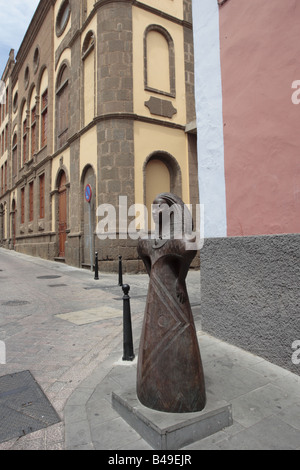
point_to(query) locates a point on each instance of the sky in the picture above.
(15, 17)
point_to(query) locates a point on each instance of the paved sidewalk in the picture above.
(68, 330)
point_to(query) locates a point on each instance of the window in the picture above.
(15, 102)
(159, 61)
(44, 115)
(63, 17)
(42, 196)
(6, 137)
(14, 155)
(2, 180)
(62, 103)
(31, 201)
(23, 206)
(88, 57)
(24, 141)
(33, 131)
(5, 177)
(36, 59)
(6, 97)
(2, 143)
(26, 78)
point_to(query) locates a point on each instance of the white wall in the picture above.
(208, 90)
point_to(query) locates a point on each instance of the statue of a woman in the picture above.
(170, 375)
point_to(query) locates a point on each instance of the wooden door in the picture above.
(62, 217)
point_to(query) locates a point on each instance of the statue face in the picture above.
(156, 209)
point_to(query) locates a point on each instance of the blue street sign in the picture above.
(88, 193)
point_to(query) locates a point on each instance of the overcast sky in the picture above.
(15, 18)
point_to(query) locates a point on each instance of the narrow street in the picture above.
(40, 303)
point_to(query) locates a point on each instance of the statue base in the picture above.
(169, 431)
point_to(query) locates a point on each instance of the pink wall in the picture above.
(260, 58)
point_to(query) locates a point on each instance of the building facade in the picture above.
(247, 89)
(102, 94)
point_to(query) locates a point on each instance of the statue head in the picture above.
(171, 216)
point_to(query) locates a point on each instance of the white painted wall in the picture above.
(208, 91)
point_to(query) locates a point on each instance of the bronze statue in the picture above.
(170, 375)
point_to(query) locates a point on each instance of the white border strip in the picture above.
(208, 91)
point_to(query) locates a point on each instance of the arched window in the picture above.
(162, 174)
(62, 106)
(89, 92)
(14, 156)
(24, 137)
(43, 94)
(159, 61)
(32, 116)
(158, 180)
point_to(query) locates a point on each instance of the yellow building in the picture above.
(102, 94)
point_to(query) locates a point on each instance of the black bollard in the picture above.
(127, 332)
(120, 271)
(96, 267)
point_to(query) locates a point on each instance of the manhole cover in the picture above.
(58, 285)
(49, 277)
(24, 408)
(15, 303)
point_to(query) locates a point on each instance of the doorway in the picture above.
(62, 214)
(13, 224)
(88, 217)
(1, 224)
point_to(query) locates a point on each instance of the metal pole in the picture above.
(120, 271)
(96, 267)
(127, 328)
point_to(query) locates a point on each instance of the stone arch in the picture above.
(42, 70)
(89, 42)
(169, 177)
(173, 167)
(64, 65)
(62, 169)
(88, 216)
(62, 210)
(30, 91)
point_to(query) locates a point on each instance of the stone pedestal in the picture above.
(169, 431)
